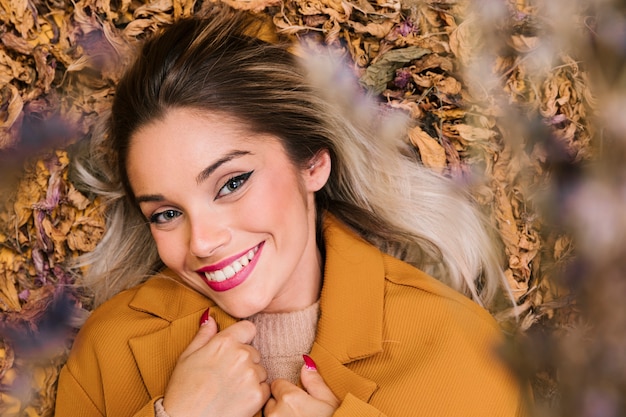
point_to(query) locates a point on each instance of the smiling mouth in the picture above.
(231, 270)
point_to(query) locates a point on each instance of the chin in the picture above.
(240, 312)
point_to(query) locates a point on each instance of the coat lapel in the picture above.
(351, 304)
(156, 353)
(339, 377)
(180, 308)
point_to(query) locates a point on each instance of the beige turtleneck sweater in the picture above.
(282, 339)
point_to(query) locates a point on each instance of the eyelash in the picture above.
(156, 217)
(234, 183)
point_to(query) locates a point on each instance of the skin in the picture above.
(213, 193)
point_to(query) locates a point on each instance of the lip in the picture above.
(236, 279)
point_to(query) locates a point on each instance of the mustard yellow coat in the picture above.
(391, 341)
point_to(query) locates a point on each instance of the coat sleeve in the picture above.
(72, 400)
(149, 410)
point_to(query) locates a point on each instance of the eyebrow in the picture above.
(203, 175)
(206, 172)
(148, 198)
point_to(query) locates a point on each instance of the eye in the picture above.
(233, 184)
(165, 216)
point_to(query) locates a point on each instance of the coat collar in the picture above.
(156, 353)
(351, 305)
(351, 302)
(350, 325)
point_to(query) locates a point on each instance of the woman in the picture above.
(266, 215)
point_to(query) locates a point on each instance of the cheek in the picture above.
(170, 248)
(281, 197)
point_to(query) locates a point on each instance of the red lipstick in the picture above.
(236, 279)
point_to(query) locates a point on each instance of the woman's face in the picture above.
(228, 210)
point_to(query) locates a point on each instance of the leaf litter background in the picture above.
(520, 101)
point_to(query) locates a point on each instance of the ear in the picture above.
(317, 171)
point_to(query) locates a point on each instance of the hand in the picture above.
(219, 374)
(316, 400)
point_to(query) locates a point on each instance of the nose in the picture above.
(207, 236)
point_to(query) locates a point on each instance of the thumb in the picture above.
(314, 384)
(208, 329)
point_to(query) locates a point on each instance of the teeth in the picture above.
(219, 275)
(230, 270)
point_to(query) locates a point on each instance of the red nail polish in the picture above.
(309, 363)
(205, 317)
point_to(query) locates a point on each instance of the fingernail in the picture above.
(309, 363)
(205, 317)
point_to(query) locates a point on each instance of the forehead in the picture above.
(189, 120)
(182, 131)
(188, 140)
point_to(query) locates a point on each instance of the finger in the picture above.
(280, 387)
(314, 384)
(270, 407)
(261, 373)
(207, 330)
(243, 331)
(266, 391)
(286, 398)
(254, 354)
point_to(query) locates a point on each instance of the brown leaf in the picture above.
(449, 86)
(254, 5)
(523, 43)
(432, 61)
(76, 198)
(432, 153)
(22, 14)
(472, 133)
(377, 75)
(45, 66)
(29, 193)
(562, 247)
(9, 299)
(361, 5)
(11, 106)
(506, 222)
(12, 69)
(11, 41)
(518, 288)
(379, 30)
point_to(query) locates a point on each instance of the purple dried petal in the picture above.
(519, 16)
(55, 184)
(403, 77)
(405, 28)
(24, 295)
(63, 277)
(43, 240)
(555, 120)
(39, 261)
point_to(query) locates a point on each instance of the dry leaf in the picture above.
(254, 5)
(10, 115)
(378, 74)
(379, 30)
(9, 299)
(16, 43)
(472, 133)
(432, 153)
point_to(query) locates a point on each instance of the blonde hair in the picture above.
(376, 186)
